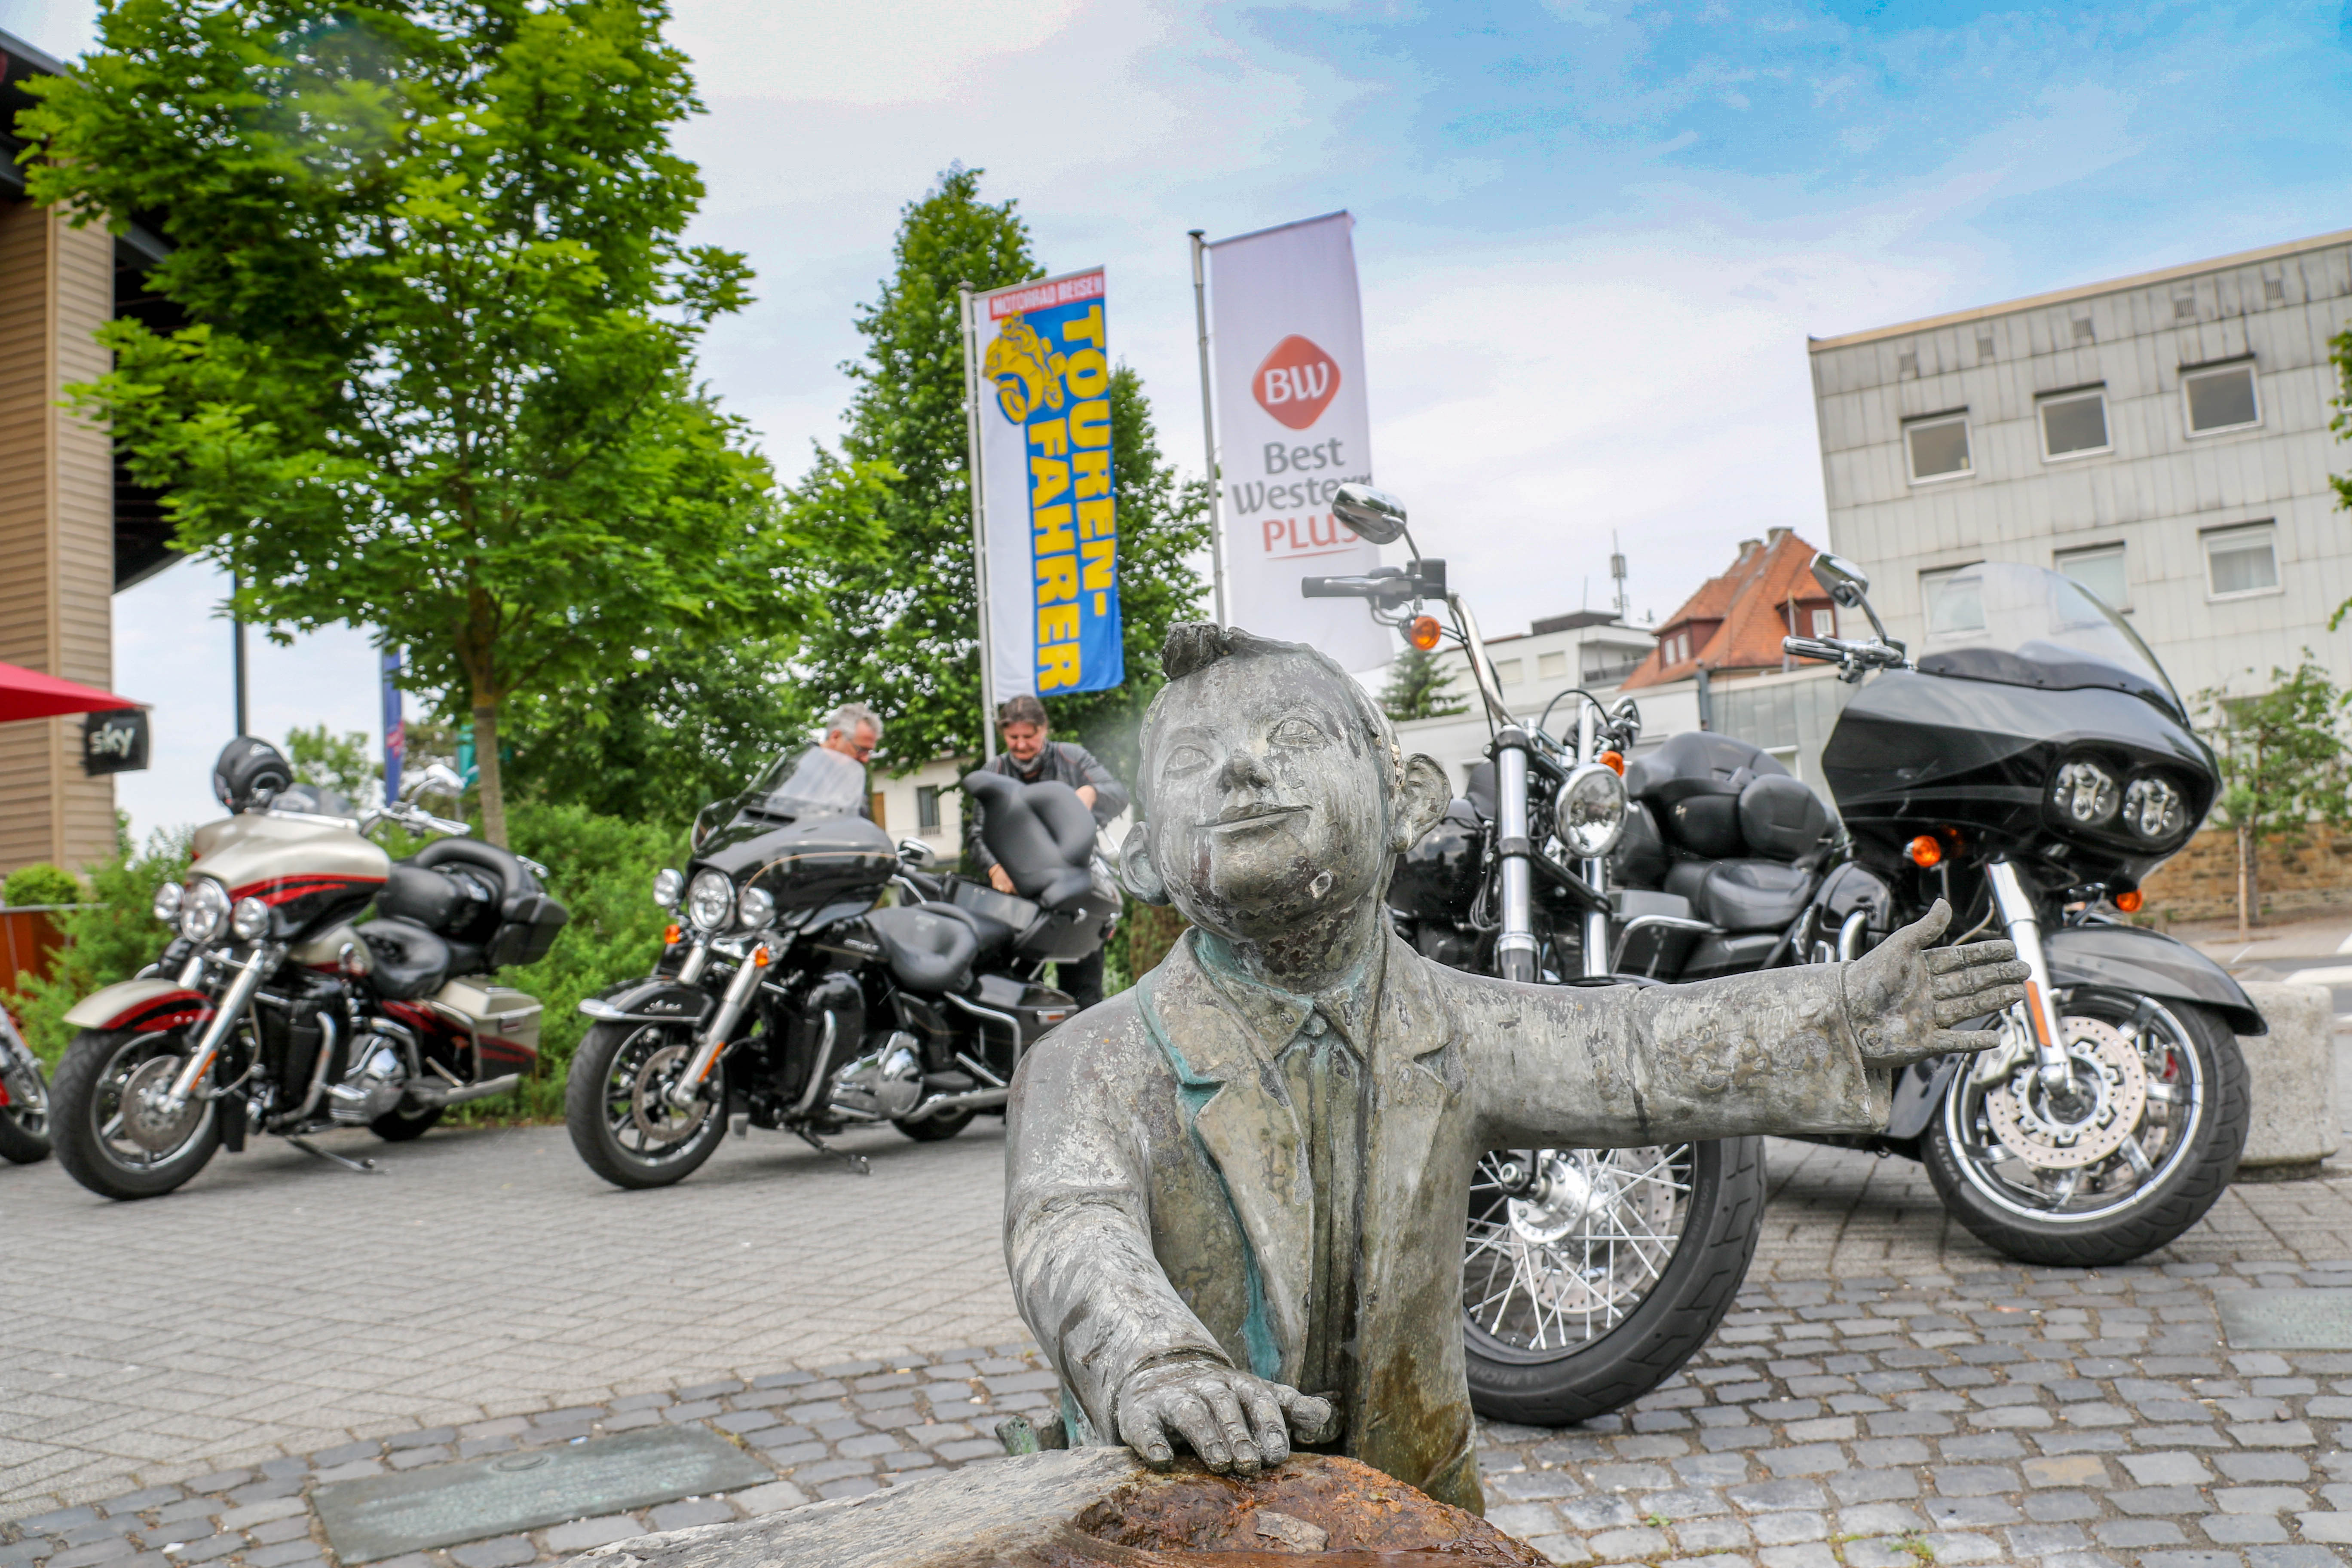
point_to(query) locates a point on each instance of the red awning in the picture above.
(29, 694)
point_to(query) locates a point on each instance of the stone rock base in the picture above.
(1089, 1507)
(2290, 1077)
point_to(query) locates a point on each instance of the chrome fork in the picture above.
(257, 965)
(2022, 924)
(1515, 949)
(713, 1037)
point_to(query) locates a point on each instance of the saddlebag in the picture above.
(501, 1024)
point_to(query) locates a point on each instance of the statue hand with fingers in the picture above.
(1905, 995)
(1232, 1420)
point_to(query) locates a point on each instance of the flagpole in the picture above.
(1209, 429)
(978, 525)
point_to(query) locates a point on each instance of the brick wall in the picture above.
(2302, 871)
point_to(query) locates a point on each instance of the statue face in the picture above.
(1269, 797)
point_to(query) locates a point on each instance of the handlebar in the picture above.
(1852, 658)
(417, 819)
(1388, 586)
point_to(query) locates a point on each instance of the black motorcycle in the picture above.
(790, 997)
(1589, 1275)
(24, 1098)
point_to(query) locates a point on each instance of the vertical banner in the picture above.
(1048, 507)
(396, 726)
(1286, 333)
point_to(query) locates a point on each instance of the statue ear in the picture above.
(1136, 874)
(1420, 800)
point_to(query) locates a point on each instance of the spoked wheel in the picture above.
(116, 1131)
(617, 1107)
(23, 1109)
(1590, 1275)
(2130, 1154)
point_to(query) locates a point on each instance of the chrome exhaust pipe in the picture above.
(430, 1096)
(971, 1100)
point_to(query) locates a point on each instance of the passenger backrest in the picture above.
(1781, 818)
(1041, 833)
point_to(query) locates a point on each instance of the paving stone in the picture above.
(500, 1552)
(293, 1552)
(692, 1512)
(583, 1533)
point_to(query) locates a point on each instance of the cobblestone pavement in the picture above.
(1887, 1394)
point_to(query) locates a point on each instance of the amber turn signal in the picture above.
(671, 935)
(1614, 761)
(1924, 852)
(759, 956)
(2130, 902)
(1423, 632)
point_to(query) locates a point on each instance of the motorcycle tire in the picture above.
(935, 1129)
(25, 1135)
(2159, 1212)
(1679, 1313)
(597, 1122)
(397, 1126)
(86, 1096)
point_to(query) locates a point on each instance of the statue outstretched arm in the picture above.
(1812, 1050)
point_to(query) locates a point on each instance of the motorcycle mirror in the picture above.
(1843, 581)
(1627, 716)
(1374, 514)
(918, 853)
(434, 778)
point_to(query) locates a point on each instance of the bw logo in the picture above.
(1296, 383)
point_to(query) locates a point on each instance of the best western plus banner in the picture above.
(1049, 507)
(1288, 337)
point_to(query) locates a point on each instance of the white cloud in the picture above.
(904, 52)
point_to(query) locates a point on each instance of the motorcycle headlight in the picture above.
(249, 921)
(668, 885)
(755, 909)
(203, 910)
(2085, 793)
(2154, 809)
(710, 901)
(1588, 814)
(167, 904)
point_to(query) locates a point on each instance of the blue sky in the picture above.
(1593, 237)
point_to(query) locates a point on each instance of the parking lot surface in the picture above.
(1888, 1393)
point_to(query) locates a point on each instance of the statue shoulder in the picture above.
(1109, 1037)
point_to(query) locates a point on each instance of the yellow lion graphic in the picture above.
(1027, 372)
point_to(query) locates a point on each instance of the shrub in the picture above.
(40, 883)
(113, 936)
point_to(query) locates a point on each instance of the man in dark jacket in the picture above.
(1031, 755)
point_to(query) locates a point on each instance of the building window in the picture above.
(1507, 672)
(2241, 561)
(1954, 602)
(927, 808)
(2221, 399)
(1552, 667)
(2074, 424)
(1938, 448)
(1825, 623)
(2101, 570)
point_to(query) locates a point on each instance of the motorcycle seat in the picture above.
(406, 960)
(1742, 895)
(1042, 834)
(930, 947)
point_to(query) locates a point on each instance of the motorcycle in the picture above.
(24, 1098)
(270, 1011)
(789, 997)
(2032, 768)
(1590, 1275)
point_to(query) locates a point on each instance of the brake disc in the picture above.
(146, 1118)
(649, 1106)
(1584, 1228)
(2108, 1075)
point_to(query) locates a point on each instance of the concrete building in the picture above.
(2164, 439)
(72, 531)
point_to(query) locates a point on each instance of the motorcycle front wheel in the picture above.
(1590, 1275)
(114, 1132)
(616, 1106)
(2145, 1143)
(25, 1115)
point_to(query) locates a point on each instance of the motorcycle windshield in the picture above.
(810, 781)
(2025, 625)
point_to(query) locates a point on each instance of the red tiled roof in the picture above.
(1749, 604)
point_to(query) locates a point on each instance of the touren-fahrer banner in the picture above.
(1287, 335)
(1048, 509)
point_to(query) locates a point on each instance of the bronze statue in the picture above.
(1246, 1177)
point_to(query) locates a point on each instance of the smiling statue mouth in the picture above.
(1254, 812)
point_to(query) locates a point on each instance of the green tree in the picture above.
(1421, 686)
(904, 632)
(439, 378)
(346, 763)
(113, 936)
(2282, 764)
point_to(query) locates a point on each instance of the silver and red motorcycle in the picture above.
(272, 1011)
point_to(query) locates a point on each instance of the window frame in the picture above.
(2049, 400)
(2207, 371)
(1557, 657)
(1825, 631)
(2207, 538)
(1930, 422)
(2058, 559)
(927, 808)
(1510, 671)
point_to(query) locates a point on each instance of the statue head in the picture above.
(1273, 788)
